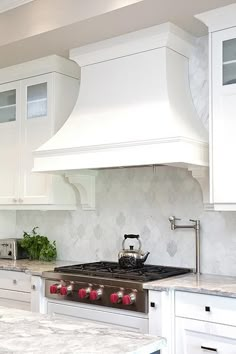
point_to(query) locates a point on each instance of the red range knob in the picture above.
(83, 293)
(54, 289)
(128, 299)
(64, 290)
(95, 294)
(114, 298)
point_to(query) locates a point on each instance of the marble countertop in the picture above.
(27, 332)
(204, 283)
(31, 267)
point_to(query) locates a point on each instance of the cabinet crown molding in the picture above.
(219, 18)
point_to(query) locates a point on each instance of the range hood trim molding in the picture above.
(192, 153)
(164, 35)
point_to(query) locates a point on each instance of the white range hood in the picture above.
(134, 106)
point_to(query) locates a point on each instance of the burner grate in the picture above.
(113, 270)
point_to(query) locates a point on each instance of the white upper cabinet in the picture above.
(34, 104)
(222, 78)
(9, 142)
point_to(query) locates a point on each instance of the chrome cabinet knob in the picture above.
(14, 281)
(33, 287)
(20, 200)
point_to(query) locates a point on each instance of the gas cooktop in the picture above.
(105, 284)
(113, 270)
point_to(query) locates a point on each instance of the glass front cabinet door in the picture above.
(223, 117)
(10, 141)
(25, 124)
(36, 129)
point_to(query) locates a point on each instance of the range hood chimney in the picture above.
(134, 106)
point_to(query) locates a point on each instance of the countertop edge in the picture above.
(218, 285)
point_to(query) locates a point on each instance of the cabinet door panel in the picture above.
(36, 130)
(10, 135)
(224, 116)
(199, 337)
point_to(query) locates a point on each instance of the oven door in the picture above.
(136, 322)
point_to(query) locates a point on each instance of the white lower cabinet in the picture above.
(199, 337)
(125, 320)
(204, 324)
(15, 290)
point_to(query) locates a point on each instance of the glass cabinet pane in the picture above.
(229, 50)
(7, 106)
(37, 100)
(229, 62)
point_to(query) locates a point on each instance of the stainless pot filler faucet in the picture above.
(196, 226)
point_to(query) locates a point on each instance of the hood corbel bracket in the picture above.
(201, 174)
(85, 182)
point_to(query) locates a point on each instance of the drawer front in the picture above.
(199, 337)
(209, 308)
(15, 299)
(125, 322)
(18, 281)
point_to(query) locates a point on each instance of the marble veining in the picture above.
(204, 283)
(31, 267)
(26, 332)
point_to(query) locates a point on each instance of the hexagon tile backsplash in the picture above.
(140, 200)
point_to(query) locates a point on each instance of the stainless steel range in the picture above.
(106, 284)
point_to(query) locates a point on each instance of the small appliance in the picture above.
(10, 249)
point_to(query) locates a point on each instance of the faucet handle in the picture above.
(172, 218)
(197, 223)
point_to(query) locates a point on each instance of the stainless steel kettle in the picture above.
(132, 258)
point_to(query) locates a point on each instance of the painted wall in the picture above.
(140, 200)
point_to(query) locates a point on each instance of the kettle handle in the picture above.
(131, 236)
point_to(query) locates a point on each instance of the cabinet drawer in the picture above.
(89, 313)
(210, 308)
(17, 281)
(199, 337)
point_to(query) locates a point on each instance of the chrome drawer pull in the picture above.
(209, 349)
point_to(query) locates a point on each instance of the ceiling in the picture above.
(43, 27)
(6, 5)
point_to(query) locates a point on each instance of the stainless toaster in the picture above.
(10, 249)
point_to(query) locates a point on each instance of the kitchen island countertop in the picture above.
(204, 283)
(32, 267)
(27, 332)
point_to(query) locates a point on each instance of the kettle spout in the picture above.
(145, 256)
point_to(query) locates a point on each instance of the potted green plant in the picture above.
(38, 247)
